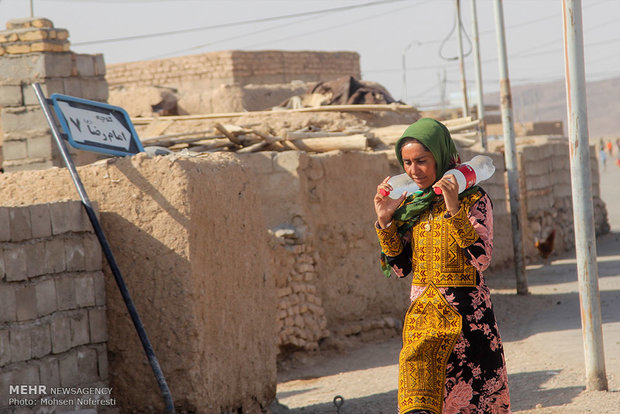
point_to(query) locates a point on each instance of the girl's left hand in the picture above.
(450, 191)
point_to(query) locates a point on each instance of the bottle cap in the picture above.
(437, 190)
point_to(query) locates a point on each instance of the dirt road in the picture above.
(541, 333)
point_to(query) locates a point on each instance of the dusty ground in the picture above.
(541, 333)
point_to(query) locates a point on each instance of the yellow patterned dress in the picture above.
(452, 359)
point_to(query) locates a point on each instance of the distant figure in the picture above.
(603, 156)
(610, 147)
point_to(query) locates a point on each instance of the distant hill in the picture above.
(547, 102)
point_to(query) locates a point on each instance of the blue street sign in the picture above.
(96, 126)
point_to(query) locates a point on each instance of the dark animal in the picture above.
(545, 247)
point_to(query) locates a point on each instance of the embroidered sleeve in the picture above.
(389, 240)
(481, 218)
(396, 249)
(461, 228)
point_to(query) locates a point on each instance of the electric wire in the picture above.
(239, 23)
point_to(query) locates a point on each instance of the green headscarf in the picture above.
(435, 137)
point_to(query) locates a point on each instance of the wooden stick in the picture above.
(230, 136)
(326, 108)
(351, 143)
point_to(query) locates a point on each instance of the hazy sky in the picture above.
(381, 33)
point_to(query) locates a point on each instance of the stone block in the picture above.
(20, 343)
(11, 95)
(48, 86)
(85, 290)
(1, 264)
(41, 340)
(98, 325)
(35, 259)
(40, 220)
(15, 263)
(27, 375)
(99, 64)
(15, 150)
(67, 216)
(6, 379)
(21, 119)
(93, 257)
(65, 292)
(73, 86)
(68, 366)
(5, 229)
(102, 356)
(49, 370)
(8, 305)
(20, 223)
(45, 291)
(55, 255)
(61, 333)
(26, 303)
(99, 281)
(87, 361)
(74, 254)
(95, 89)
(40, 147)
(80, 330)
(84, 65)
(5, 347)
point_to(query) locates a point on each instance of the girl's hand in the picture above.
(450, 191)
(384, 205)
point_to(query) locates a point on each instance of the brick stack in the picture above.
(301, 318)
(32, 50)
(52, 300)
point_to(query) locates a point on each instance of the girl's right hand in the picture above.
(384, 205)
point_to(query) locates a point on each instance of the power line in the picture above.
(331, 27)
(239, 23)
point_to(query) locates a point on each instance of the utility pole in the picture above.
(405, 70)
(581, 184)
(510, 151)
(31, 8)
(481, 119)
(459, 30)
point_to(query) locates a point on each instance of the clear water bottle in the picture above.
(401, 183)
(470, 173)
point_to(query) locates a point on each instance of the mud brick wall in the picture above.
(546, 194)
(25, 136)
(194, 253)
(319, 210)
(53, 329)
(211, 70)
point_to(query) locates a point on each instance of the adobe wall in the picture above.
(226, 81)
(32, 50)
(53, 329)
(546, 194)
(211, 70)
(193, 250)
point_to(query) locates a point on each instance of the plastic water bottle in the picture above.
(470, 173)
(400, 183)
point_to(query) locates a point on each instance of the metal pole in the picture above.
(133, 312)
(31, 8)
(510, 151)
(482, 125)
(405, 76)
(585, 239)
(461, 58)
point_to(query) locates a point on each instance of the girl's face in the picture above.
(419, 164)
